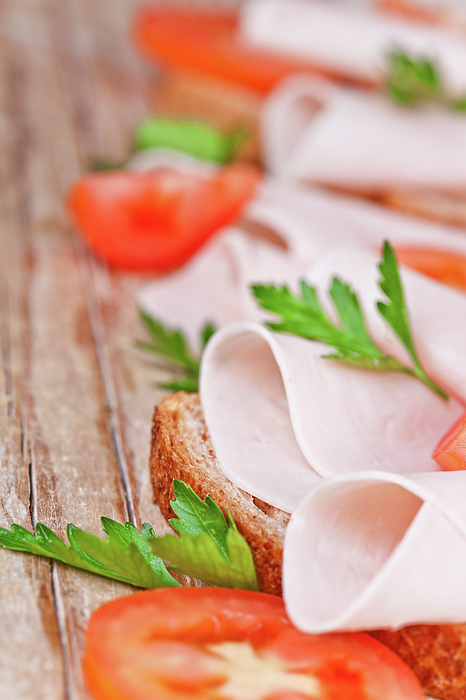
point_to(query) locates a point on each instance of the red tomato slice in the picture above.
(449, 268)
(205, 41)
(156, 220)
(450, 453)
(215, 643)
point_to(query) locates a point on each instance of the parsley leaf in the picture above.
(196, 517)
(172, 345)
(199, 140)
(414, 80)
(305, 317)
(208, 547)
(124, 556)
(411, 80)
(396, 314)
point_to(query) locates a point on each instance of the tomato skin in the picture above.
(445, 267)
(450, 453)
(156, 220)
(153, 645)
(205, 41)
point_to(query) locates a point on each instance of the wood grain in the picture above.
(76, 397)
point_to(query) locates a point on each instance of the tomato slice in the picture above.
(156, 220)
(450, 453)
(449, 268)
(214, 644)
(206, 41)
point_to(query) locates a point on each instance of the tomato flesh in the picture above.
(445, 267)
(206, 41)
(156, 220)
(212, 643)
(450, 453)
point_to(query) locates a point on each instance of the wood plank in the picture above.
(53, 380)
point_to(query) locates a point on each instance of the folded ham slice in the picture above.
(361, 141)
(376, 550)
(278, 414)
(350, 40)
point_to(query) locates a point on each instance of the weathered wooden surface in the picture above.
(76, 397)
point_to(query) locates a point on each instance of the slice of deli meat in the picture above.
(375, 550)
(214, 285)
(361, 141)
(279, 414)
(437, 313)
(351, 40)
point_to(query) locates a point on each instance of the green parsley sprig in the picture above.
(172, 345)
(411, 81)
(125, 555)
(304, 316)
(209, 547)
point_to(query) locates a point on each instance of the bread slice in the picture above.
(181, 449)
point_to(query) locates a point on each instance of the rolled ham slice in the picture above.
(279, 414)
(375, 550)
(350, 40)
(320, 133)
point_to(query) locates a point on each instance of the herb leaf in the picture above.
(396, 314)
(124, 556)
(305, 317)
(200, 557)
(197, 139)
(173, 346)
(414, 80)
(196, 517)
(411, 80)
(208, 547)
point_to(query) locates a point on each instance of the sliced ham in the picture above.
(278, 413)
(351, 40)
(376, 550)
(320, 133)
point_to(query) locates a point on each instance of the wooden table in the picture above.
(76, 397)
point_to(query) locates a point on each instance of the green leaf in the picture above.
(169, 343)
(304, 316)
(207, 333)
(197, 139)
(173, 346)
(200, 557)
(396, 313)
(411, 80)
(209, 547)
(124, 556)
(188, 384)
(460, 105)
(196, 517)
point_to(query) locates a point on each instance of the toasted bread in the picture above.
(181, 449)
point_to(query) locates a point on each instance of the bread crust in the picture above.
(436, 654)
(181, 449)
